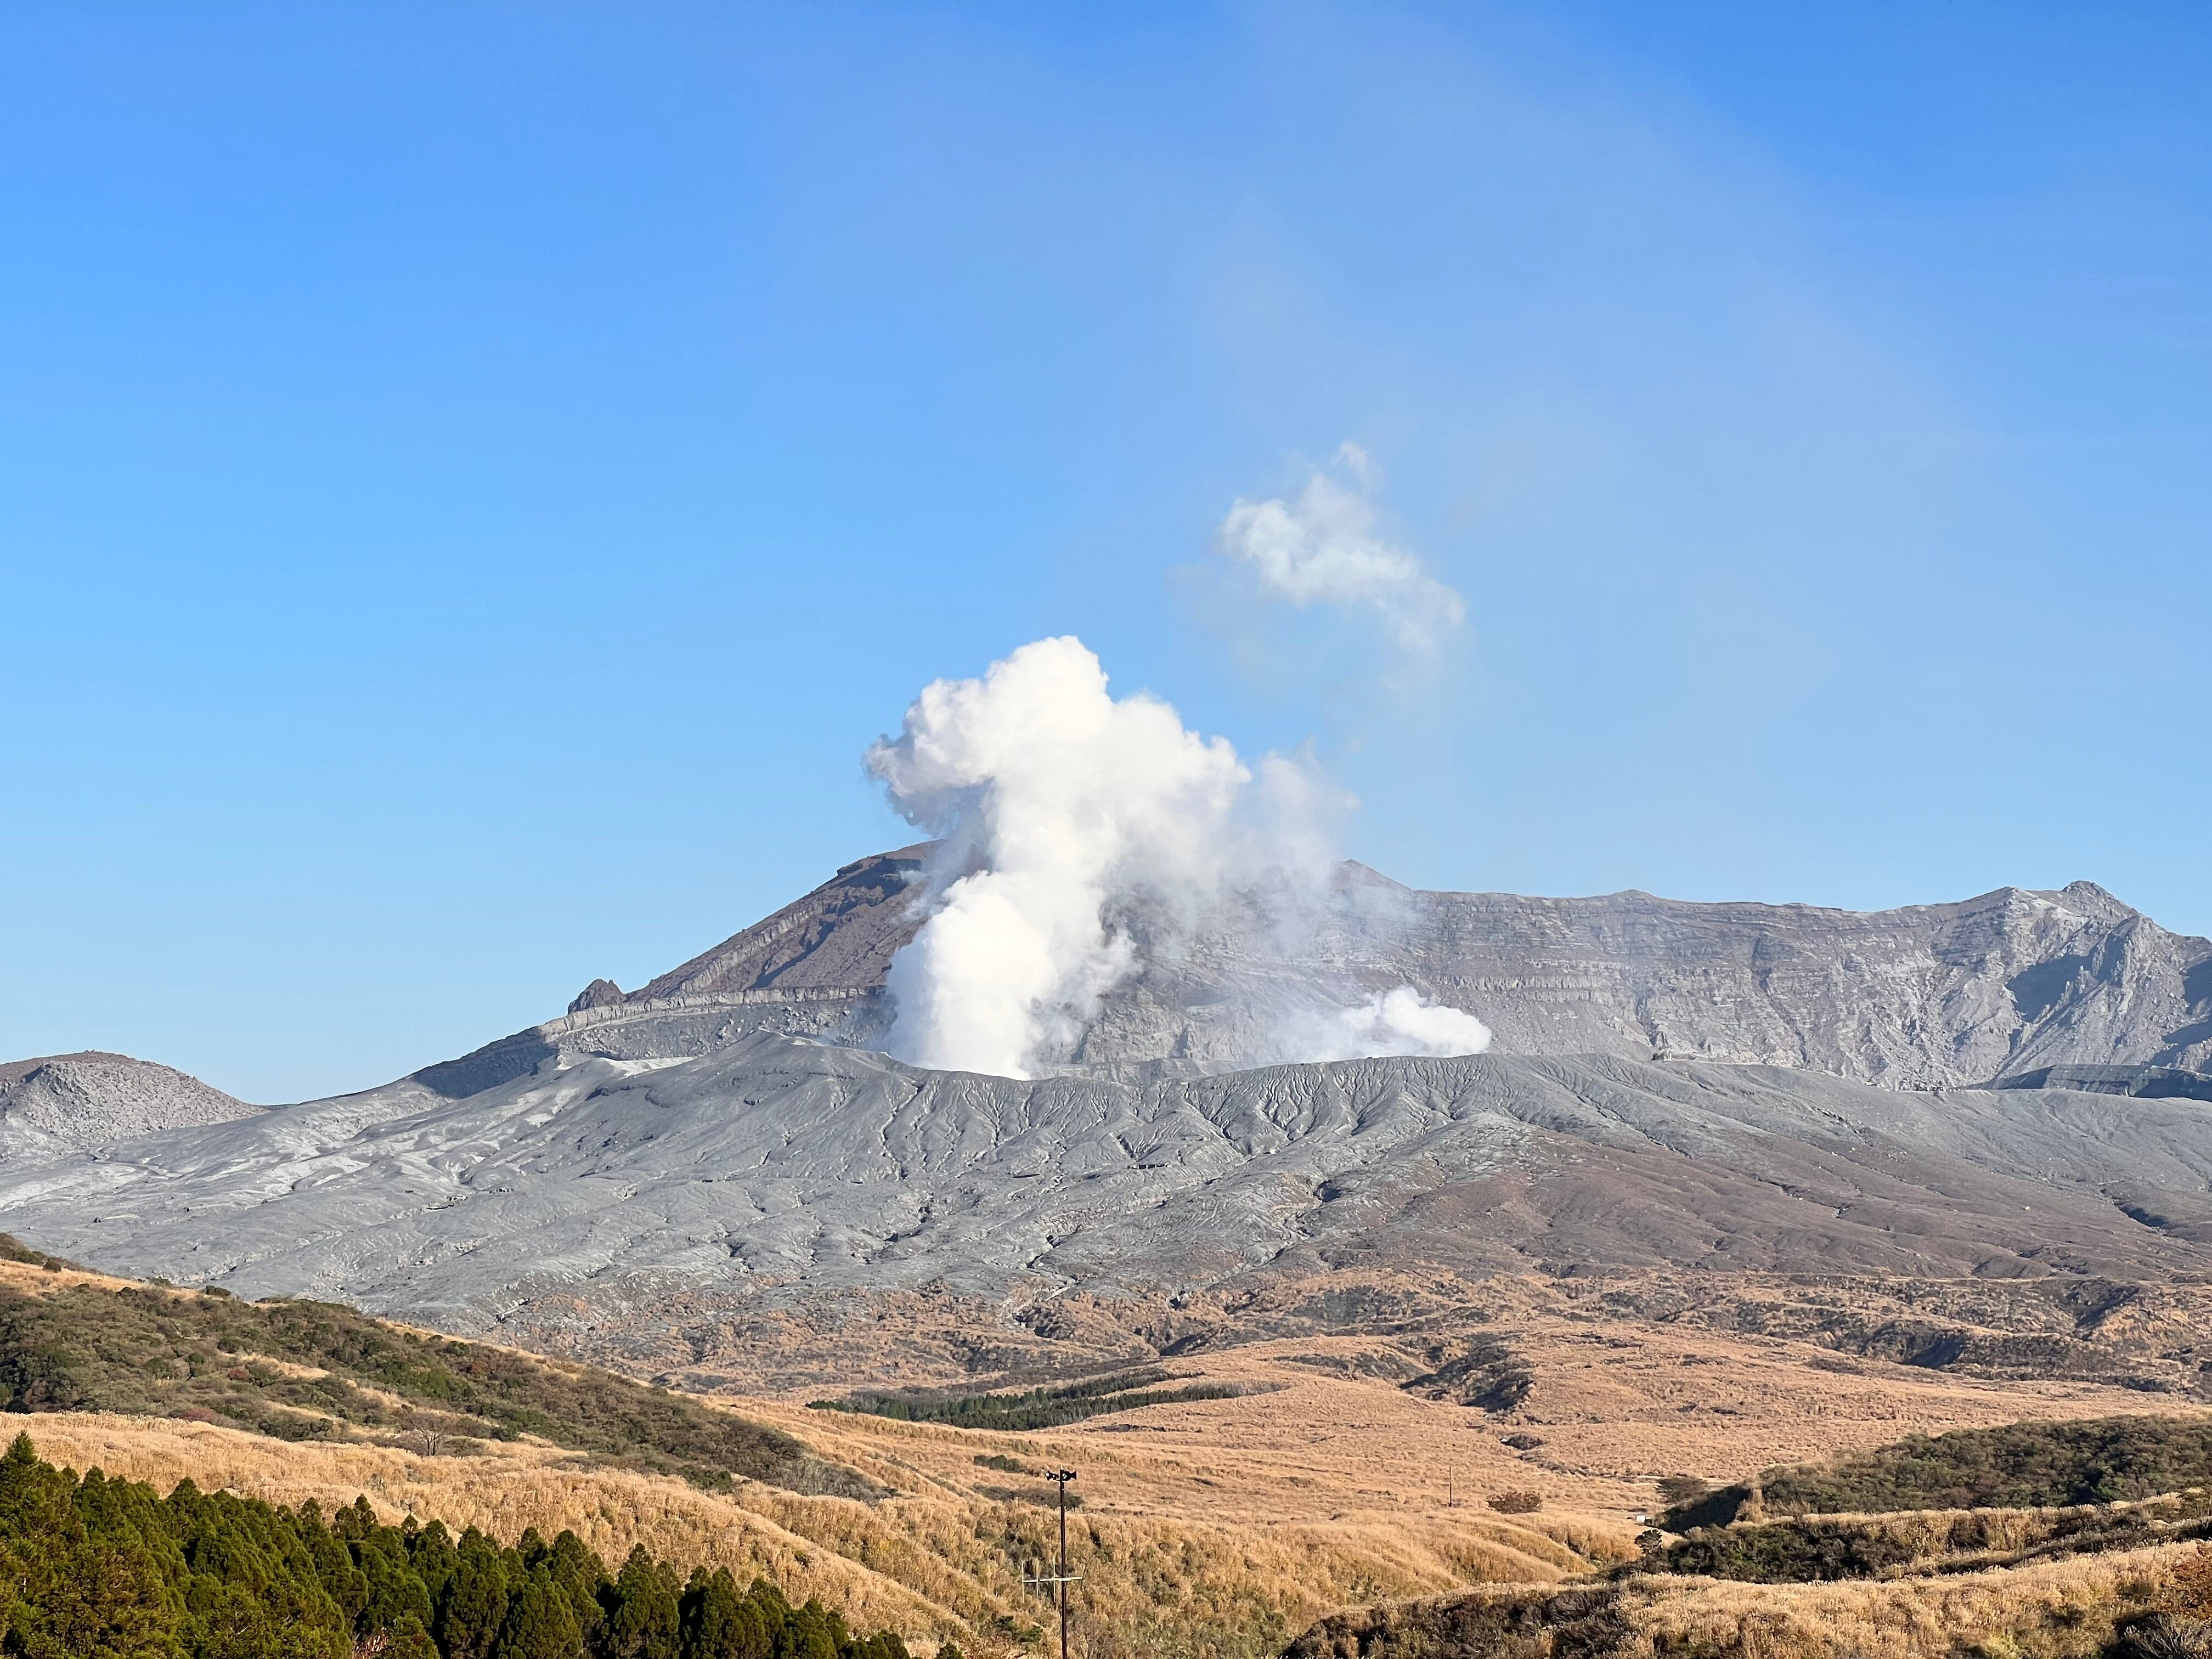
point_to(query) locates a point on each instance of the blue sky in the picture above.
(473, 480)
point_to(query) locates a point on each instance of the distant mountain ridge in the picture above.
(1927, 995)
(1710, 1087)
(2014, 987)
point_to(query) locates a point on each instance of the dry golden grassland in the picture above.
(1227, 1526)
(2066, 1609)
(2048, 1610)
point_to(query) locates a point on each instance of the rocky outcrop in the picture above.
(600, 993)
(1946, 994)
(2150, 1082)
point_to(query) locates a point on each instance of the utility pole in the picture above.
(1062, 1579)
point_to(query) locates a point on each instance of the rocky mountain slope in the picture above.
(779, 1168)
(2005, 986)
(87, 1099)
(1739, 1087)
(1952, 994)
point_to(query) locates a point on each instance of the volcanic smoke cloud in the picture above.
(1322, 548)
(1075, 825)
(1399, 1022)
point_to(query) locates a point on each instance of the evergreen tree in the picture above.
(431, 1553)
(474, 1607)
(34, 1496)
(102, 1568)
(396, 1590)
(410, 1638)
(250, 1591)
(66, 1597)
(645, 1622)
(582, 1577)
(540, 1624)
(808, 1634)
(342, 1580)
(767, 1599)
(719, 1622)
(352, 1525)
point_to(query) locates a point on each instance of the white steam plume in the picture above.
(1076, 833)
(1322, 549)
(1065, 814)
(1399, 1022)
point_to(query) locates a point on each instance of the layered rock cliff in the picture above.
(1985, 988)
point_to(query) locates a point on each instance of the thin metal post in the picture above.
(1060, 1479)
(1061, 1578)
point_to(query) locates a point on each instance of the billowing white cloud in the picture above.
(1079, 831)
(1322, 548)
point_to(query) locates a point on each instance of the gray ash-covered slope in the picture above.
(815, 967)
(2150, 1082)
(91, 1098)
(778, 1167)
(725, 1133)
(1952, 994)
(840, 937)
(1929, 993)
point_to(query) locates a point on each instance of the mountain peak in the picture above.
(600, 993)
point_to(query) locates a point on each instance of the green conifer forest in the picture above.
(101, 1569)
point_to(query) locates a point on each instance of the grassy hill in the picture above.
(2081, 1540)
(296, 1369)
(2020, 1466)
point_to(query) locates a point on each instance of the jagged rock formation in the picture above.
(1990, 988)
(600, 993)
(1931, 993)
(91, 1098)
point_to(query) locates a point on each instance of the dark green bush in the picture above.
(1046, 1407)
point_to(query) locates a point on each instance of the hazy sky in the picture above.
(475, 479)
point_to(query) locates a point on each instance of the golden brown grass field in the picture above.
(1227, 1527)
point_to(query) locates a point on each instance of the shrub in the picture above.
(1034, 1408)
